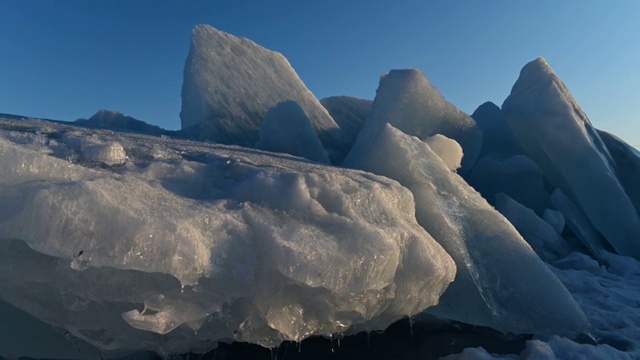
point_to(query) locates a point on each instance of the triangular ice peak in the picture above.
(408, 101)
(231, 82)
(559, 137)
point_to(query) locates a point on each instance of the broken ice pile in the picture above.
(131, 242)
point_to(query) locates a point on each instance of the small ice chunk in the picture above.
(555, 219)
(447, 149)
(539, 234)
(103, 152)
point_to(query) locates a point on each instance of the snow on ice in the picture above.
(501, 282)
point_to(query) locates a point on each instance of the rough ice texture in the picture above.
(349, 112)
(447, 149)
(557, 135)
(542, 237)
(501, 282)
(286, 129)
(230, 83)
(497, 138)
(102, 152)
(408, 101)
(626, 159)
(188, 244)
(517, 176)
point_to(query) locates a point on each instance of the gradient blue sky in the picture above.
(65, 59)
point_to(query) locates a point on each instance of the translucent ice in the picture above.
(559, 137)
(187, 244)
(501, 282)
(408, 101)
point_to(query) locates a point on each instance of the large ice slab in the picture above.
(230, 83)
(408, 101)
(286, 128)
(188, 243)
(501, 282)
(559, 137)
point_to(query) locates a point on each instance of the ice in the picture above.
(23, 335)
(497, 138)
(542, 237)
(230, 83)
(608, 294)
(286, 128)
(517, 176)
(408, 101)
(578, 223)
(555, 219)
(102, 152)
(187, 244)
(559, 137)
(349, 112)
(117, 120)
(626, 159)
(447, 149)
(557, 348)
(501, 283)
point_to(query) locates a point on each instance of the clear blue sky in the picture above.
(65, 59)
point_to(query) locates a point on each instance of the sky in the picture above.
(66, 59)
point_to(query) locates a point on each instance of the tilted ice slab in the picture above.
(230, 83)
(579, 224)
(542, 237)
(626, 159)
(286, 128)
(408, 101)
(501, 283)
(187, 244)
(349, 112)
(497, 138)
(558, 136)
(518, 176)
